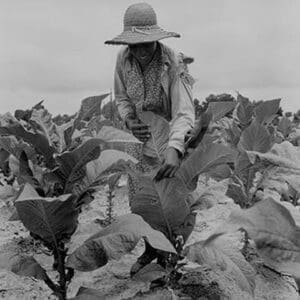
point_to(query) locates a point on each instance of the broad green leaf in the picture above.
(220, 172)
(109, 133)
(89, 294)
(255, 138)
(83, 232)
(96, 124)
(272, 228)
(286, 181)
(41, 120)
(294, 211)
(285, 126)
(28, 266)
(72, 163)
(219, 109)
(203, 160)
(208, 138)
(52, 219)
(233, 134)
(65, 131)
(117, 239)
(109, 161)
(14, 147)
(294, 136)
(225, 258)
(25, 172)
(244, 111)
(242, 163)
(150, 272)
(4, 155)
(245, 170)
(195, 137)
(237, 192)
(162, 204)
(118, 139)
(266, 111)
(73, 167)
(212, 195)
(283, 155)
(11, 126)
(91, 106)
(160, 131)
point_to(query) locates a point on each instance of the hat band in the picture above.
(141, 29)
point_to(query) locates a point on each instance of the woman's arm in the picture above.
(183, 112)
(183, 118)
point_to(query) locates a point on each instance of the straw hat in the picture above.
(140, 26)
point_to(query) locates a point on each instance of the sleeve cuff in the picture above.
(177, 145)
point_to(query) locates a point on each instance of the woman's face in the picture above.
(143, 52)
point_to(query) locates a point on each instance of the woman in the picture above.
(152, 76)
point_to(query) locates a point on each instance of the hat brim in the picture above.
(131, 37)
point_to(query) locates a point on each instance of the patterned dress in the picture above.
(147, 92)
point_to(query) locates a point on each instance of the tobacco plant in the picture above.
(58, 177)
(59, 169)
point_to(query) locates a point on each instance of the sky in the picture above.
(54, 49)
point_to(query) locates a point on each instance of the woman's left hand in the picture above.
(170, 165)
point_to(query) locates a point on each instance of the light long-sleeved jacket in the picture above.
(176, 83)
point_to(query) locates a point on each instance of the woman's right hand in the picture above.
(139, 130)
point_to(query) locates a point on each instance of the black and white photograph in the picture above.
(150, 150)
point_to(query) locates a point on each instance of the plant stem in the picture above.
(110, 197)
(54, 287)
(61, 255)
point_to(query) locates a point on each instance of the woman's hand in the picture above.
(170, 165)
(138, 129)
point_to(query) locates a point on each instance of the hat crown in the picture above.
(139, 15)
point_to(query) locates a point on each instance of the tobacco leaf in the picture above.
(118, 139)
(212, 195)
(91, 106)
(266, 111)
(223, 258)
(255, 138)
(165, 204)
(41, 121)
(11, 126)
(220, 172)
(52, 219)
(150, 272)
(98, 170)
(89, 294)
(274, 231)
(219, 109)
(162, 204)
(117, 239)
(244, 111)
(15, 147)
(285, 126)
(204, 159)
(283, 155)
(28, 266)
(160, 131)
(72, 163)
